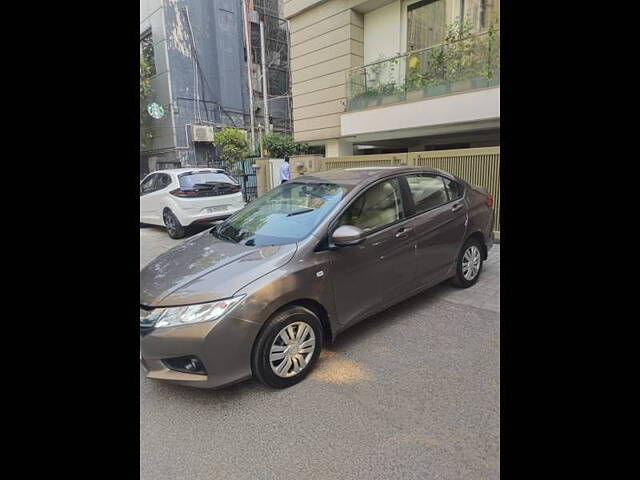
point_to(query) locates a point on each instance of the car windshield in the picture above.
(286, 214)
(188, 180)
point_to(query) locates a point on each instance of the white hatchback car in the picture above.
(180, 197)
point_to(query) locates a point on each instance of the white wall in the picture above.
(382, 32)
(337, 148)
(274, 172)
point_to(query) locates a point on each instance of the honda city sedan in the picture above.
(260, 294)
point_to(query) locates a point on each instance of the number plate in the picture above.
(219, 208)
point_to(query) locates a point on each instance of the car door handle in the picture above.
(403, 232)
(456, 207)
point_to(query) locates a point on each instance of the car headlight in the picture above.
(189, 314)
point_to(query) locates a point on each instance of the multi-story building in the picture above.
(386, 76)
(199, 74)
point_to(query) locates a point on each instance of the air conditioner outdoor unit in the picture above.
(201, 133)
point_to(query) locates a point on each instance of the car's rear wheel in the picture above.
(174, 228)
(287, 348)
(469, 264)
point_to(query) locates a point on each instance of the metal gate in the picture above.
(248, 182)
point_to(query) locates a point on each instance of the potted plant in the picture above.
(371, 97)
(390, 93)
(357, 101)
(436, 82)
(416, 79)
(490, 63)
(427, 78)
(461, 52)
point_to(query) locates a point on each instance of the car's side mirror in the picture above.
(347, 235)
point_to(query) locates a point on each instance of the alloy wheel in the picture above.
(292, 349)
(170, 223)
(471, 261)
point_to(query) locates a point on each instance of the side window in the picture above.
(380, 205)
(428, 192)
(147, 184)
(163, 181)
(454, 189)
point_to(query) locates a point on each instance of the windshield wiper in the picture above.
(298, 212)
(215, 231)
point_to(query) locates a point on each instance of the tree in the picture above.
(232, 147)
(146, 133)
(280, 146)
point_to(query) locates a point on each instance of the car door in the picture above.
(368, 276)
(439, 222)
(155, 200)
(146, 188)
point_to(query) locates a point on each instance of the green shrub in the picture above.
(232, 147)
(280, 146)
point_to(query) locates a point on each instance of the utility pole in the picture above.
(265, 95)
(247, 41)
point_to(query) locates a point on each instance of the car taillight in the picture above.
(183, 193)
(489, 201)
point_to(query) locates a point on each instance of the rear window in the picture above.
(428, 192)
(188, 180)
(454, 188)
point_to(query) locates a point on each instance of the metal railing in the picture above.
(451, 67)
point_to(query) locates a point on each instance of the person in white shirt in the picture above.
(284, 171)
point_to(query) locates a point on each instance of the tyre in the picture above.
(287, 348)
(468, 264)
(174, 228)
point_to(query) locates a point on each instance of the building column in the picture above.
(337, 147)
(261, 167)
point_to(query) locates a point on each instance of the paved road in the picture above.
(410, 393)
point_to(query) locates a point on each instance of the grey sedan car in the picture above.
(259, 294)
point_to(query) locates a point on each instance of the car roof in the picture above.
(190, 169)
(356, 176)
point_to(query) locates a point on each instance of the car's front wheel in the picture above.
(469, 264)
(174, 228)
(287, 348)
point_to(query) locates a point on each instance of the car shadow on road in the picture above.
(360, 332)
(373, 325)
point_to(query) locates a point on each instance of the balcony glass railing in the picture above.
(451, 67)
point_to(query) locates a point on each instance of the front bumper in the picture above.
(224, 348)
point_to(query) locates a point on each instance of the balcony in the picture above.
(452, 67)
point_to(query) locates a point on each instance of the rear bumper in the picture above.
(187, 217)
(224, 349)
(489, 242)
